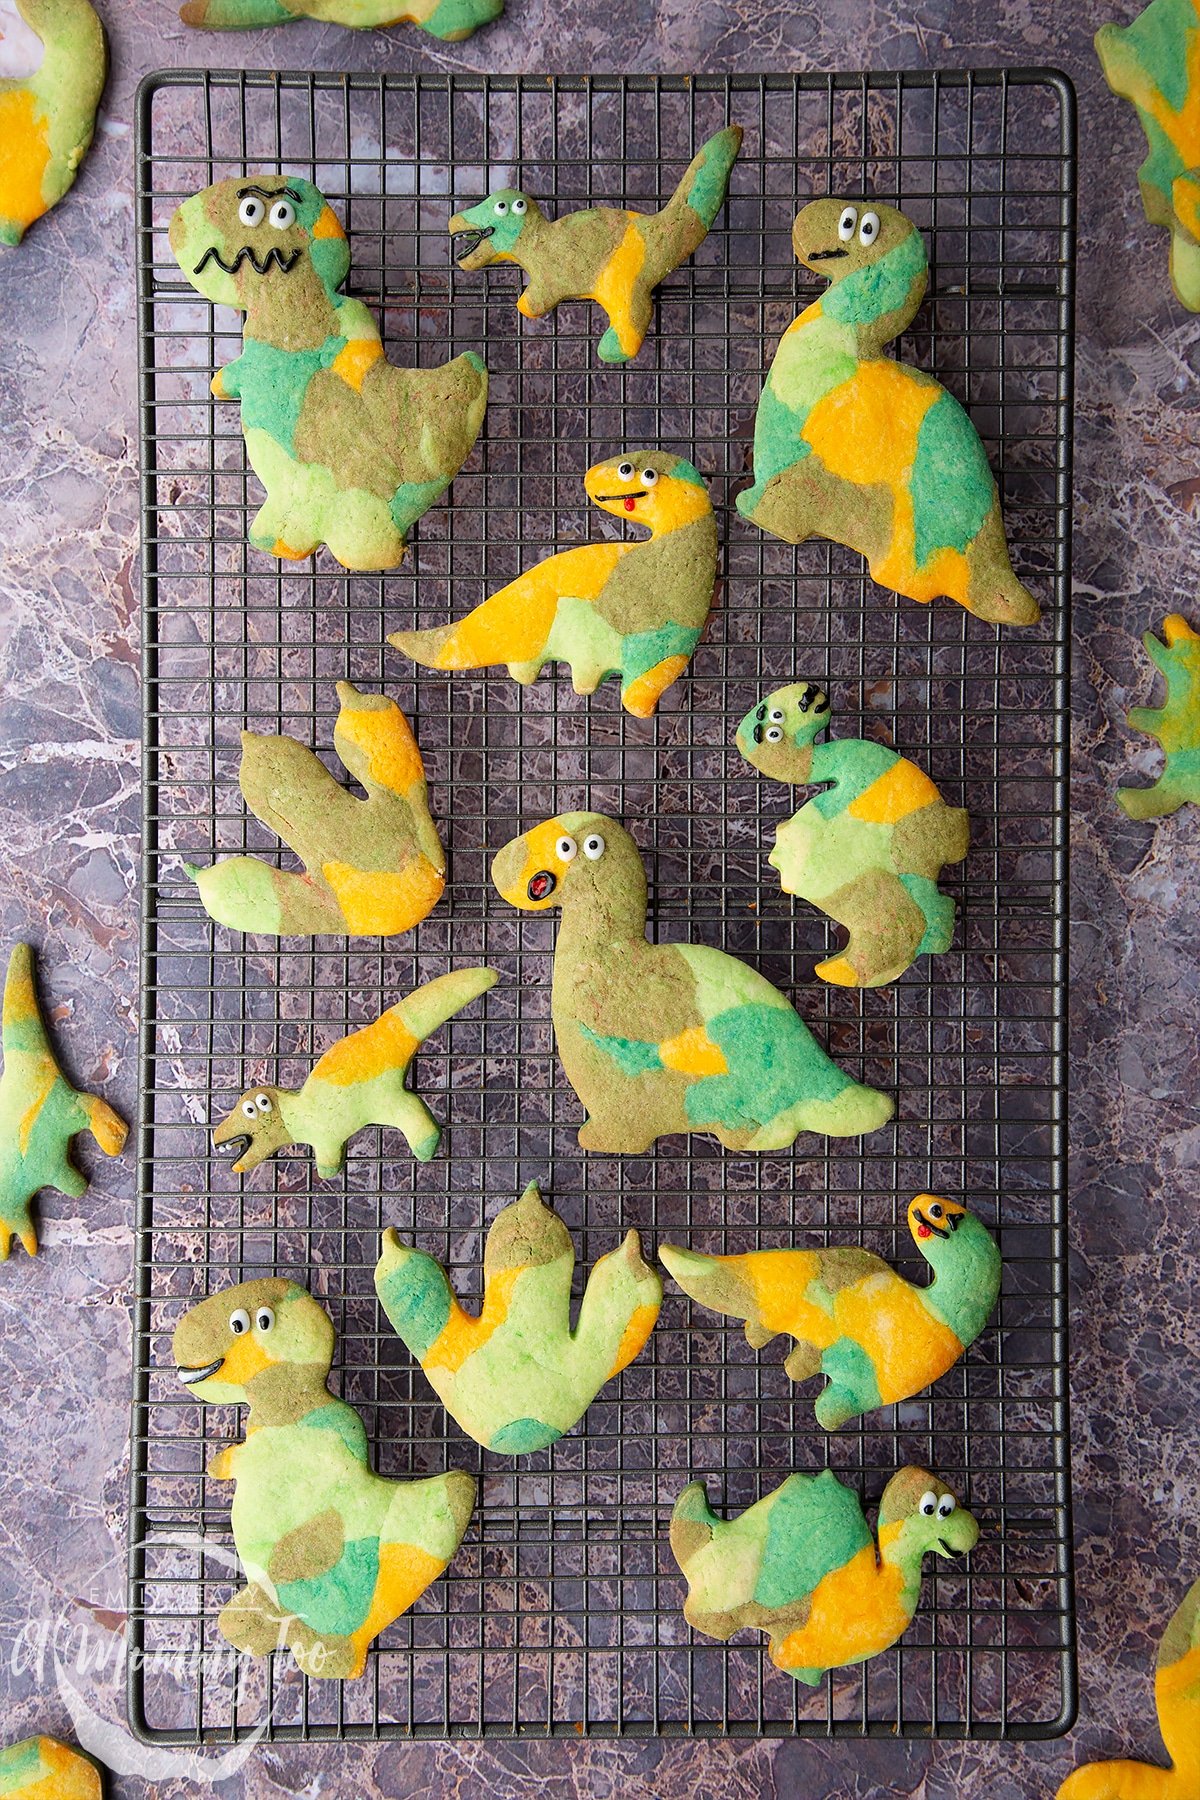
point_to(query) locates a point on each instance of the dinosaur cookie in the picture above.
(663, 1038)
(450, 20)
(359, 1082)
(350, 448)
(40, 1112)
(1155, 62)
(867, 850)
(375, 866)
(1177, 1698)
(851, 445)
(614, 257)
(47, 118)
(876, 1337)
(40, 1768)
(801, 1565)
(332, 1552)
(1176, 723)
(630, 609)
(515, 1376)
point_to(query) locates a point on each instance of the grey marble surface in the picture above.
(68, 879)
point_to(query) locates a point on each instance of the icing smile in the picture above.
(629, 499)
(192, 1376)
(471, 240)
(284, 262)
(927, 1228)
(826, 255)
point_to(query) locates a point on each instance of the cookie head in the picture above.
(934, 1223)
(251, 238)
(252, 1338)
(648, 487)
(254, 1129)
(777, 735)
(924, 1514)
(567, 858)
(488, 232)
(836, 237)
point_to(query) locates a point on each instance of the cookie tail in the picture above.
(437, 1001)
(235, 15)
(702, 191)
(693, 1524)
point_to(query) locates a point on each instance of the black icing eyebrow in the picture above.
(268, 193)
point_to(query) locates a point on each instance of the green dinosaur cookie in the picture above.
(631, 609)
(450, 20)
(40, 1112)
(40, 1768)
(350, 448)
(662, 1038)
(332, 1552)
(614, 257)
(1155, 62)
(801, 1565)
(852, 445)
(876, 1337)
(359, 1082)
(47, 118)
(375, 866)
(1176, 723)
(869, 849)
(515, 1376)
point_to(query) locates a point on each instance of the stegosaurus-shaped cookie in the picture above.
(1176, 723)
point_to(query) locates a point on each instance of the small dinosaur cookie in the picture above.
(332, 1552)
(852, 445)
(867, 850)
(40, 1768)
(876, 1337)
(1155, 62)
(515, 1376)
(663, 1038)
(801, 1565)
(630, 609)
(350, 448)
(359, 1082)
(47, 118)
(450, 20)
(614, 257)
(40, 1112)
(374, 867)
(1176, 723)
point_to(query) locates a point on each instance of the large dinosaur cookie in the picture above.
(47, 118)
(662, 1038)
(876, 1337)
(515, 1376)
(852, 445)
(869, 849)
(332, 1552)
(1177, 1698)
(630, 609)
(614, 257)
(375, 866)
(449, 20)
(1155, 62)
(1176, 723)
(40, 1112)
(350, 448)
(40, 1768)
(801, 1565)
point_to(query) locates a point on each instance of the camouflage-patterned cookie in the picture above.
(332, 1552)
(47, 118)
(515, 1376)
(40, 1768)
(350, 448)
(1176, 723)
(614, 257)
(630, 609)
(450, 20)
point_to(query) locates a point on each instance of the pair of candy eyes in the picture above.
(868, 227)
(930, 1504)
(502, 206)
(261, 1103)
(626, 472)
(239, 1320)
(773, 734)
(593, 848)
(281, 216)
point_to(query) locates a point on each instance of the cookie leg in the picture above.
(628, 323)
(641, 695)
(886, 927)
(410, 1115)
(252, 1621)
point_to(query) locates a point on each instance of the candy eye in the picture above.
(625, 471)
(251, 211)
(249, 1108)
(565, 849)
(935, 1211)
(519, 206)
(946, 1506)
(264, 1318)
(263, 1102)
(649, 477)
(773, 734)
(847, 222)
(928, 1503)
(500, 208)
(776, 713)
(868, 231)
(593, 847)
(282, 214)
(239, 1321)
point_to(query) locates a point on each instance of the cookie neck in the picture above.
(963, 1291)
(293, 312)
(604, 922)
(897, 1553)
(286, 1394)
(876, 303)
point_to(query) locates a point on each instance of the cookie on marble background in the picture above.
(1176, 723)
(450, 20)
(47, 117)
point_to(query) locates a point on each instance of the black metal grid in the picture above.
(562, 1611)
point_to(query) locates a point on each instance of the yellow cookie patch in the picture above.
(24, 157)
(352, 363)
(643, 695)
(464, 1333)
(328, 224)
(693, 1053)
(29, 1118)
(374, 901)
(388, 1044)
(633, 1338)
(385, 738)
(903, 790)
(865, 430)
(244, 1359)
(907, 1346)
(405, 1571)
(614, 289)
(778, 1281)
(857, 1611)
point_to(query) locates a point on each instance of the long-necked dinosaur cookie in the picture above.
(614, 257)
(350, 448)
(869, 849)
(515, 1376)
(332, 1552)
(1155, 62)
(662, 1038)
(1176, 723)
(375, 866)
(801, 1565)
(630, 609)
(852, 445)
(361, 1081)
(875, 1336)
(450, 20)
(41, 1768)
(47, 118)
(40, 1112)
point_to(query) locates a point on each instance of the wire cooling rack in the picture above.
(562, 1612)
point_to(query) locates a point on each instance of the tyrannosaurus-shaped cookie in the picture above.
(40, 1112)
(374, 866)
(867, 850)
(631, 609)
(1176, 723)
(852, 445)
(47, 118)
(450, 20)
(801, 1565)
(332, 1552)
(515, 1376)
(41, 1768)
(663, 1038)
(350, 448)
(614, 257)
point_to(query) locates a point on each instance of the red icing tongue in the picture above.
(630, 503)
(924, 1231)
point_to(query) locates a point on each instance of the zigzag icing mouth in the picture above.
(191, 1376)
(274, 256)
